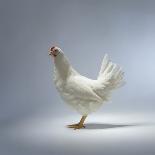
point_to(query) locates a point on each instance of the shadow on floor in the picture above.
(107, 126)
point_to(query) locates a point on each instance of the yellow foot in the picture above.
(76, 126)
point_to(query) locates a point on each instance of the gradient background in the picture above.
(85, 30)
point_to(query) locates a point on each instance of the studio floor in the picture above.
(105, 134)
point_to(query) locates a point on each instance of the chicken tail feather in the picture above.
(111, 74)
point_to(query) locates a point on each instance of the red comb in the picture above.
(52, 48)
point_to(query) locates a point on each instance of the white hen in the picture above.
(83, 94)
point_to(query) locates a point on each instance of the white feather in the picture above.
(83, 94)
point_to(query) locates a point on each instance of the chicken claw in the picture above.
(76, 126)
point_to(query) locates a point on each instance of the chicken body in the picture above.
(78, 92)
(81, 93)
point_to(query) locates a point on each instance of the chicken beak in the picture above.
(51, 51)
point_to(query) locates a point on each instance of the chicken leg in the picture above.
(78, 125)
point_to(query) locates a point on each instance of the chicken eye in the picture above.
(56, 50)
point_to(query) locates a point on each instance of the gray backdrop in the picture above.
(85, 30)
